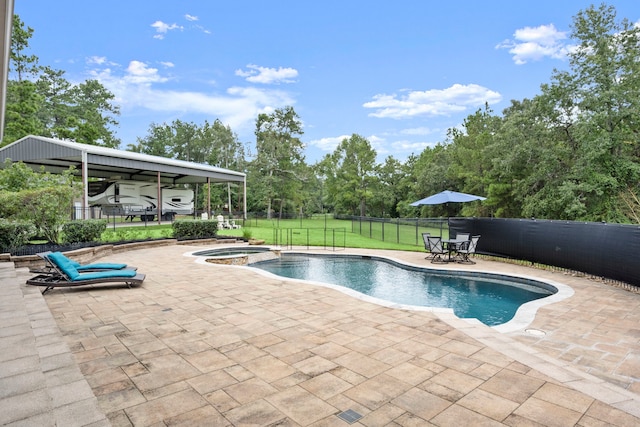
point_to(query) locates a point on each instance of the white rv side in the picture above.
(137, 198)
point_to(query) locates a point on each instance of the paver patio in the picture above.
(203, 344)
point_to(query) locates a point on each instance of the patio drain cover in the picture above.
(349, 416)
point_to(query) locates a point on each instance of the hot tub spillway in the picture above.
(248, 257)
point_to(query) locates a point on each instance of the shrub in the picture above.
(189, 229)
(246, 233)
(41, 198)
(15, 234)
(84, 231)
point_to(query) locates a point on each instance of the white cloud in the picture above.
(264, 75)
(190, 17)
(167, 64)
(536, 43)
(162, 29)
(99, 60)
(405, 146)
(418, 131)
(434, 102)
(139, 87)
(329, 144)
(139, 73)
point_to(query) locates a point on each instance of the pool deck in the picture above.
(206, 344)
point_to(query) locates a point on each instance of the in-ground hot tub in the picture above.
(239, 255)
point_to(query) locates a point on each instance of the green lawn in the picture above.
(318, 231)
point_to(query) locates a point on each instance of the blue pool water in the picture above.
(493, 299)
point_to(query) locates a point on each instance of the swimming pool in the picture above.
(493, 299)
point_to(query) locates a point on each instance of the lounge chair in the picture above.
(68, 275)
(50, 268)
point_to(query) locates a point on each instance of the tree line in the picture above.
(569, 153)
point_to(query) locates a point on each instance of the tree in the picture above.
(279, 160)
(431, 175)
(22, 64)
(598, 96)
(390, 187)
(23, 103)
(157, 142)
(40, 101)
(92, 115)
(225, 151)
(353, 175)
(469, 154)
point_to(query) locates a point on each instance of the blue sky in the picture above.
(398, 73)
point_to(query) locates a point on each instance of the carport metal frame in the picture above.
(91, 161)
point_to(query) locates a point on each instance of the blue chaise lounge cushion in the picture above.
(65, 265)
(94, 266)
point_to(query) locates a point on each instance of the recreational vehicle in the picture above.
(136, 198)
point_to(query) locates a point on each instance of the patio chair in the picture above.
(462, 236)
(467, 250)
(67, 275)
(437, 250)
(427, 246)
(50, 268)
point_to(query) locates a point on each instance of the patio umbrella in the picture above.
(446, 197)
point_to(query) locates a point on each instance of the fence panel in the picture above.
(406, 231)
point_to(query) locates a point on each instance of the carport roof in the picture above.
(56, 156)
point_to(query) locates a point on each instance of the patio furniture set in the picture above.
(459, 249)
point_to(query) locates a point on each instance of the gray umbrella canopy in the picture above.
(446, 197)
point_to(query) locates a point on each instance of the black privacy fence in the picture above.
(606, 250)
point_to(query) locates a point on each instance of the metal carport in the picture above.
(92, 161)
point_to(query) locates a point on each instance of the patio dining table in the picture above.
(451, 245)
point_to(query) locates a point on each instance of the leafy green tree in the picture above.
(22, 63)
(22, 106)
(225, 151)
(598, 96)
(93, 114)
(431, 175)
(471, 159)
(353, 175)
(40, 101)
(157, 142)
(390, 187)
(279, 160)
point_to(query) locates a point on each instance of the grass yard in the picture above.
(318, 231)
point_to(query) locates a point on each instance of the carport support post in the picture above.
(244, 193)
(159, 201)
(85, 185)
(208, 198)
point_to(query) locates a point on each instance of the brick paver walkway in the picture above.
(201, 344)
